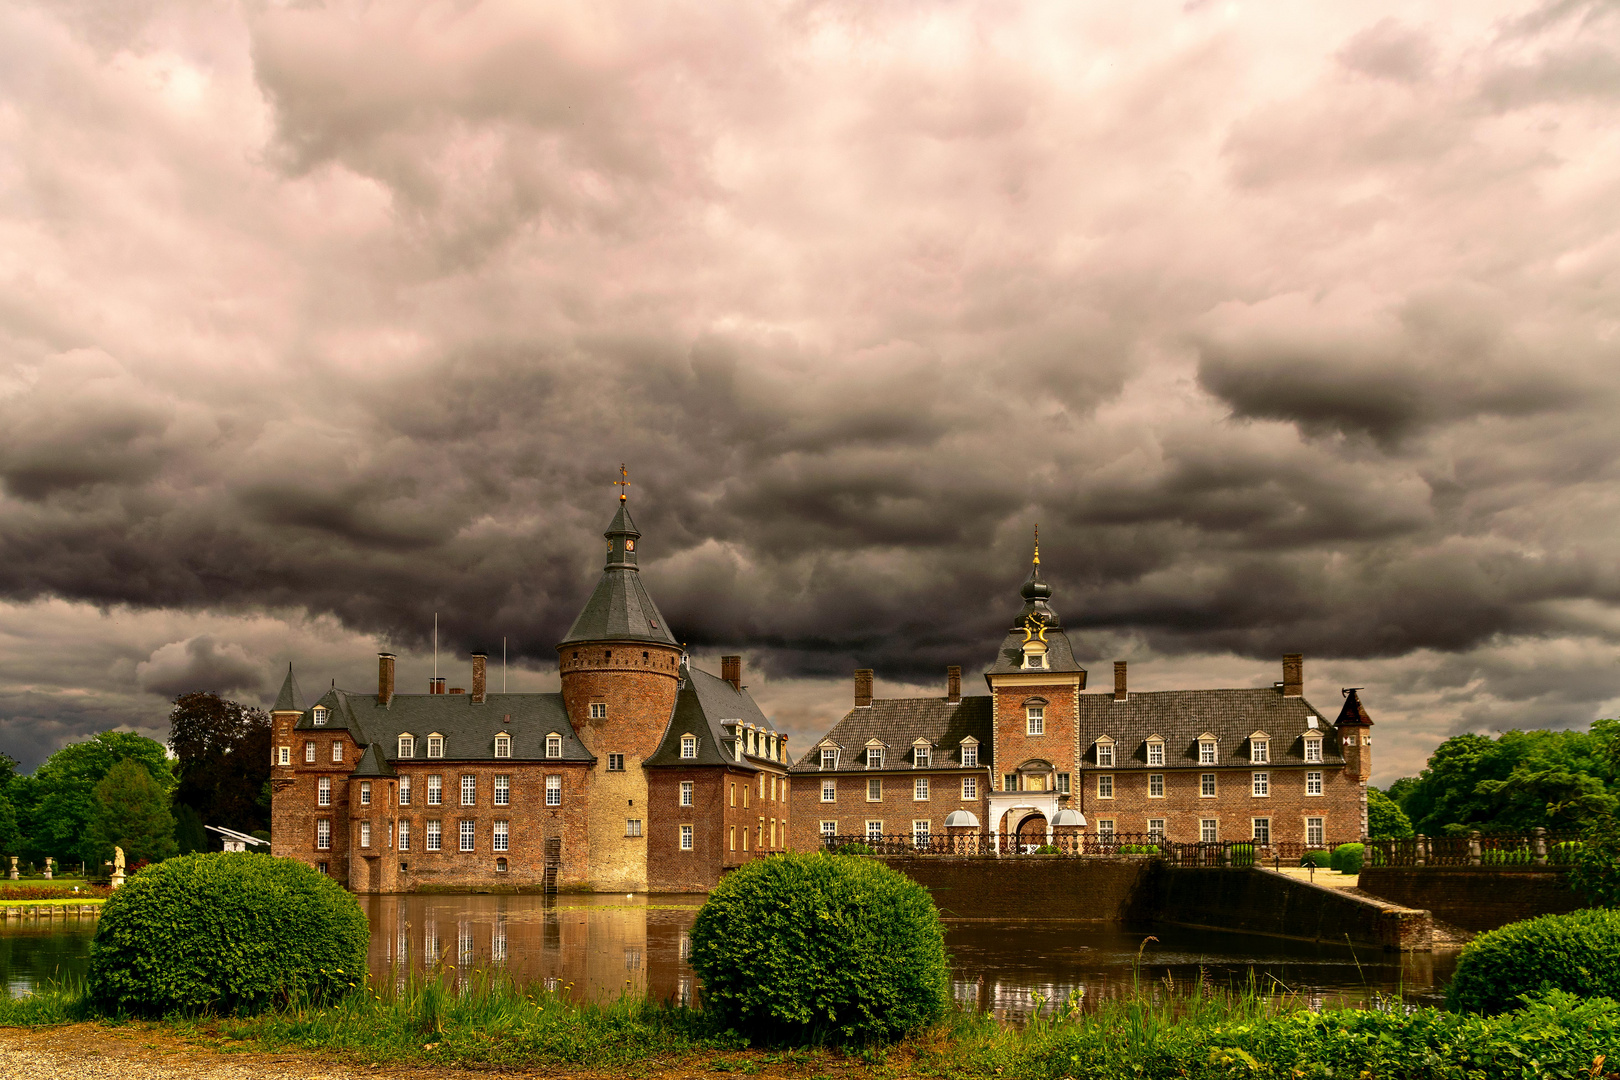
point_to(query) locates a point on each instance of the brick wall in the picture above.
(718, 818)
(294, 799)
(1258, 901)
(1474, 898)
(1013, 743)
(897, 809)
(1234, 806)
(1036, 887)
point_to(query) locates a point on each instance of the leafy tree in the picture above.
(11, 834)
(132, 812)
(8, 770)
(1386, 820)
(189, 834)
(1596, 872)
(1401, 790)
(222, 759)
(58, 802)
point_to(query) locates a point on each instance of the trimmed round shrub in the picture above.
(814, 947)
(229, 932)
(1319, 859)
(1346, 858)
(1575, 952)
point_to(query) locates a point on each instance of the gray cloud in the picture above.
(199, 663)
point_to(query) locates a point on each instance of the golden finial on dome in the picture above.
(623, 482)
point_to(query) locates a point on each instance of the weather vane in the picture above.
(1037, 545)
(622, 482)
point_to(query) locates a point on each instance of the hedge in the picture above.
(1576, 952)
(228, 932)
(1347, 858)
(814, 947)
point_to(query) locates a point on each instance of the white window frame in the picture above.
(598, 710)
(874, 831)
(503, 746)
(323, 791)
(1313, 783)
(404, 834)
(323, 834)
(1259, 751)
(553, 789)
(1062, 783)
(318, 715)
(405, 747)
(1155, 828)
(309, 751)
(919, 834)
(1260, 785)
(468, 831)
(469, 789)
(1206, 751)
(615, 763)
(553, 745)
(1155, 753)
(283, 755)
(1313, 750)
(435, 837)
(1156, 785)
(970, 755)
(1106, 830)
(921, 756)
(1034, 720)
(970, 787)
(435, 746)
(1105, 753)
(829, 791)
(632, 826)
(688, 792)
(1105, 786)
(828, 828)
(687, 837)
(337, 752)
(689, 747)
(919, 789)
(1320, 825)
(874, 757)
(874, 789)
(1208, 786)
(365, 793)
(435, 790)
(503, 790)
(1256, 827)
(829, 758)
(404, 791)
(1209, 830)
(365, 834)
(501, 836)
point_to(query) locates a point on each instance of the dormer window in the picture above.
(1034, 660)
(1313, 749)
(689, 745)
(435, 746)
(407, 746)
(1206, 749)
(503, 746)
(970, 754)
(1155, 751)
(554, 745)
(921, 755)
(318, 715)
(1105, 753)
(829, 758)
(874, 757)
(1259, 748)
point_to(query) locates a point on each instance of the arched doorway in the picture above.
(1032, 832)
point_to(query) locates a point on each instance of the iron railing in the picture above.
(1074, 845)
(1538, 847)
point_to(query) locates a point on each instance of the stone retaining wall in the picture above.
(1260, 901)
(1475, 898)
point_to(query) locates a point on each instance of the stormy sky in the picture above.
(1294, 326)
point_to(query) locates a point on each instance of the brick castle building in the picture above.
(1038, 758)
(643, 773)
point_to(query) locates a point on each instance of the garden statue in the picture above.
(118, 867)
(47, 868)
(14, 868)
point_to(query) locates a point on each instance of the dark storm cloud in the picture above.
(202, 663)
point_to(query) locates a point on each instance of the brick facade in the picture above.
(897, 807)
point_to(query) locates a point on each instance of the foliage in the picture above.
(856, 848)
(1386, 820)
(132, 812)
(226, 932)
(1346, 858)
(1139, 849)
(189, 833)
(1595, 870)
(8, 770)
(1046, 849)
(56, 802)
(1574, 952)
(11, 891)
(1319, 859)
(1242, 854)
(799, 947)
(1515, 782)
(11, 834)
(222, 753)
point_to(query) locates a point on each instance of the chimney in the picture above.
(953, 684)
(1120, 693)
(863, 688)
(385, 678)
(731, 671)
(479, 660)
(1293, 684)
(436, 685)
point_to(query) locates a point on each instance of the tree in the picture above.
(222, 759)
(132, 812)
(57, 802)
(11, 834)
(1385, 820)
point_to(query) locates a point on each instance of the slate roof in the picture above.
(1059, 655)
(703, 706)
(898, 723)
(373, 763)
(1181, 716)
(290, 698)
(469, 730)
(620, 609)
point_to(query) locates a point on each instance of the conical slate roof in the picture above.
(1354, 714)
(290, 699)
(620, 609)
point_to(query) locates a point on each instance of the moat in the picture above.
(599, 946)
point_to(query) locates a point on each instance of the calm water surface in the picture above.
(600, 946)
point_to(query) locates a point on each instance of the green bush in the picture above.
(225, 932)
(1138, 849)
(1574, 952)
(1242, 854)
(856, 848)
(812, 947)
(1319, 859)
(1346, 858)
(1046, 849)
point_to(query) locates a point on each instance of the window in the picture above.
(502, 833)
(1259, 751)
(874, 790)
(734, 794)
(1313, 783)
(407, 746)
(469, 791)
(874, 757)
(1262, 831)
(323, 791)
(503, 746)
(829, 829)
(686, 792)
(1207, 831)
(1009, 781)
(921, 756)
(1206, 751)
(469, 833)
(1155, 753)
(1105, 787)
(309, 753)
(554, 790)
(284, 755)
(1034, 660)
(435, 790)
(1206, 785)
(686, 838)
(503, 791)
(1156, 828)
(404, 836)
(435, 746)
(688, 746)
(745, 837)
(615, 763)
(365, 834)
(746, 789)
(1035, 719)
(919, 835)
(632, 827)
(1063, 783)
(874, 830)
(829, 758)
(553, 746)
(919, 789)
(1313, 750)
(1105, 830)
(970, 787)
(1314, 832)
(1156, 785)
(318, 714)
(323, 833)
(337, 753)
(1262, 784)
(404, 791)
(500, 949)
(733, 833)
(598, 710)
(970, 756)
(829, 791)
(1105, 755)
(435, 832)
(365, 793)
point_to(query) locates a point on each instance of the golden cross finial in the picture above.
(622, 482)
(1037, 545)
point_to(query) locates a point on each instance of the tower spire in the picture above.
(1037, 544)
(623, 483)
